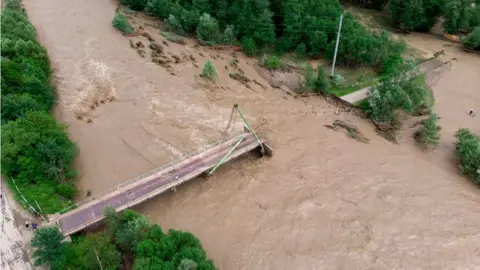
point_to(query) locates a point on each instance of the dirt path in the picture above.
(324, 201)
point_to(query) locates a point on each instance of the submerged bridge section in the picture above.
(158, 181)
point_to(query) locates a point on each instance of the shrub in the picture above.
(209, 72)
(321, 83)
(249, 46)
(270, 62)
(229, 35)
(66, 190)
(36, 149)
(429, 133)
(207, 29)
(472, 41)
(135, 4)
(17, 105)
(120, 21)
(468, 151)
(391, 65)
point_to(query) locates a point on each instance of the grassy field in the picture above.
(345, 90)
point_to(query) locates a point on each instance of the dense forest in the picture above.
(128, 240)
(36, 151)
(460, 16)
(305, 26)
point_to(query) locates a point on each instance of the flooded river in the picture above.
(324, 201)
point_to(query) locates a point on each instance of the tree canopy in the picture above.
(128, 234)
(36, 151)
(309, 27)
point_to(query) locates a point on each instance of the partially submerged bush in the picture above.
(321, 83)
(401, 90)
(429, 133)
(120, 21)
(308, 83)
(468, 151)
(209, 72)
(173, 37)
(207, 30)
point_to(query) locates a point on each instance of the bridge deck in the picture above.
(144, 189)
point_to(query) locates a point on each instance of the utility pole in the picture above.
(336, 46)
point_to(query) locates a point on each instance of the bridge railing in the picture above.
(148, 174)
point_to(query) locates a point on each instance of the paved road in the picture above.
(356, 96)
(13, 245)
(142, 190)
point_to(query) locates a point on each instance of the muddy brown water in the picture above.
(324, 201)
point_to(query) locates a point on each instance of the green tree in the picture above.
(207, 29)
(49, 248)
(97, 252)
(253, 19)
(456, 14)
(429, 133)
(229, 35)
(318, 43)
(202, 6)
(135, 4)
(18, 26)
(391, 65)
(249, 46)
(159, 8)
(468, 151)
(309, 78)
(120, 22)
(175, 24)
(209, 72)
(301, 50)
(16, 105)
(36, 149)
(472, 41)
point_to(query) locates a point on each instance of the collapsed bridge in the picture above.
(160, 180)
